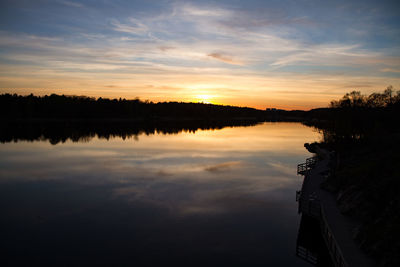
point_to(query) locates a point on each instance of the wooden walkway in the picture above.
(336, 228)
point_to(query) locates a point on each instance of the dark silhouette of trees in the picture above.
(353, 117)
(356, 116)
(364, 132)
(58, 118)
(355, 99)
(82, 107)
(352, 99)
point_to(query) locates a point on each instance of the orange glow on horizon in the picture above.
(289, 92)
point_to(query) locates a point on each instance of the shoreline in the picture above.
(335, 227)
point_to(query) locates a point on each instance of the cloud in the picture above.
(199, 11)
(70, 3)
(166, 48)
(135, 27)
(223, 166)
(224, 58)
(328, 55)
(252, 20)
(390, 70)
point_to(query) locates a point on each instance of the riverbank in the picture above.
(336, 228)
(365, 182)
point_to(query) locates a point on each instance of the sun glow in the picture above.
(207, 99)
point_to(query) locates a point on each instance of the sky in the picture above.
(290, 54)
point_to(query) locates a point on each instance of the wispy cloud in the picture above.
(70, 3)
(330, 54)
(223, 166)
(134, 26)
(224, 58)
(166, 48)
(390, 70)
(188, 9)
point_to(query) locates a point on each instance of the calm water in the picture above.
(210, 198)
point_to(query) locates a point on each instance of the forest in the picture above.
(83, 107)
(364, 132)
(356, 116)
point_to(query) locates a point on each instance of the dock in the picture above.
(336, 229)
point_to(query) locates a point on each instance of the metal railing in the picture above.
(312, 206)
(333, 247)
(303, 168)
(306, 255)
(309, 204)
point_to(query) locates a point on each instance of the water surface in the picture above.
(209, 198)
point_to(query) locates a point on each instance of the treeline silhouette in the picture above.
(58, 118)
(13, 106)
(355, 99)
(83, 107)
(357, 116)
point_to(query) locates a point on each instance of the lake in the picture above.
(193, 198)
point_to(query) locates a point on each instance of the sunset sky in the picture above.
(286, 54)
